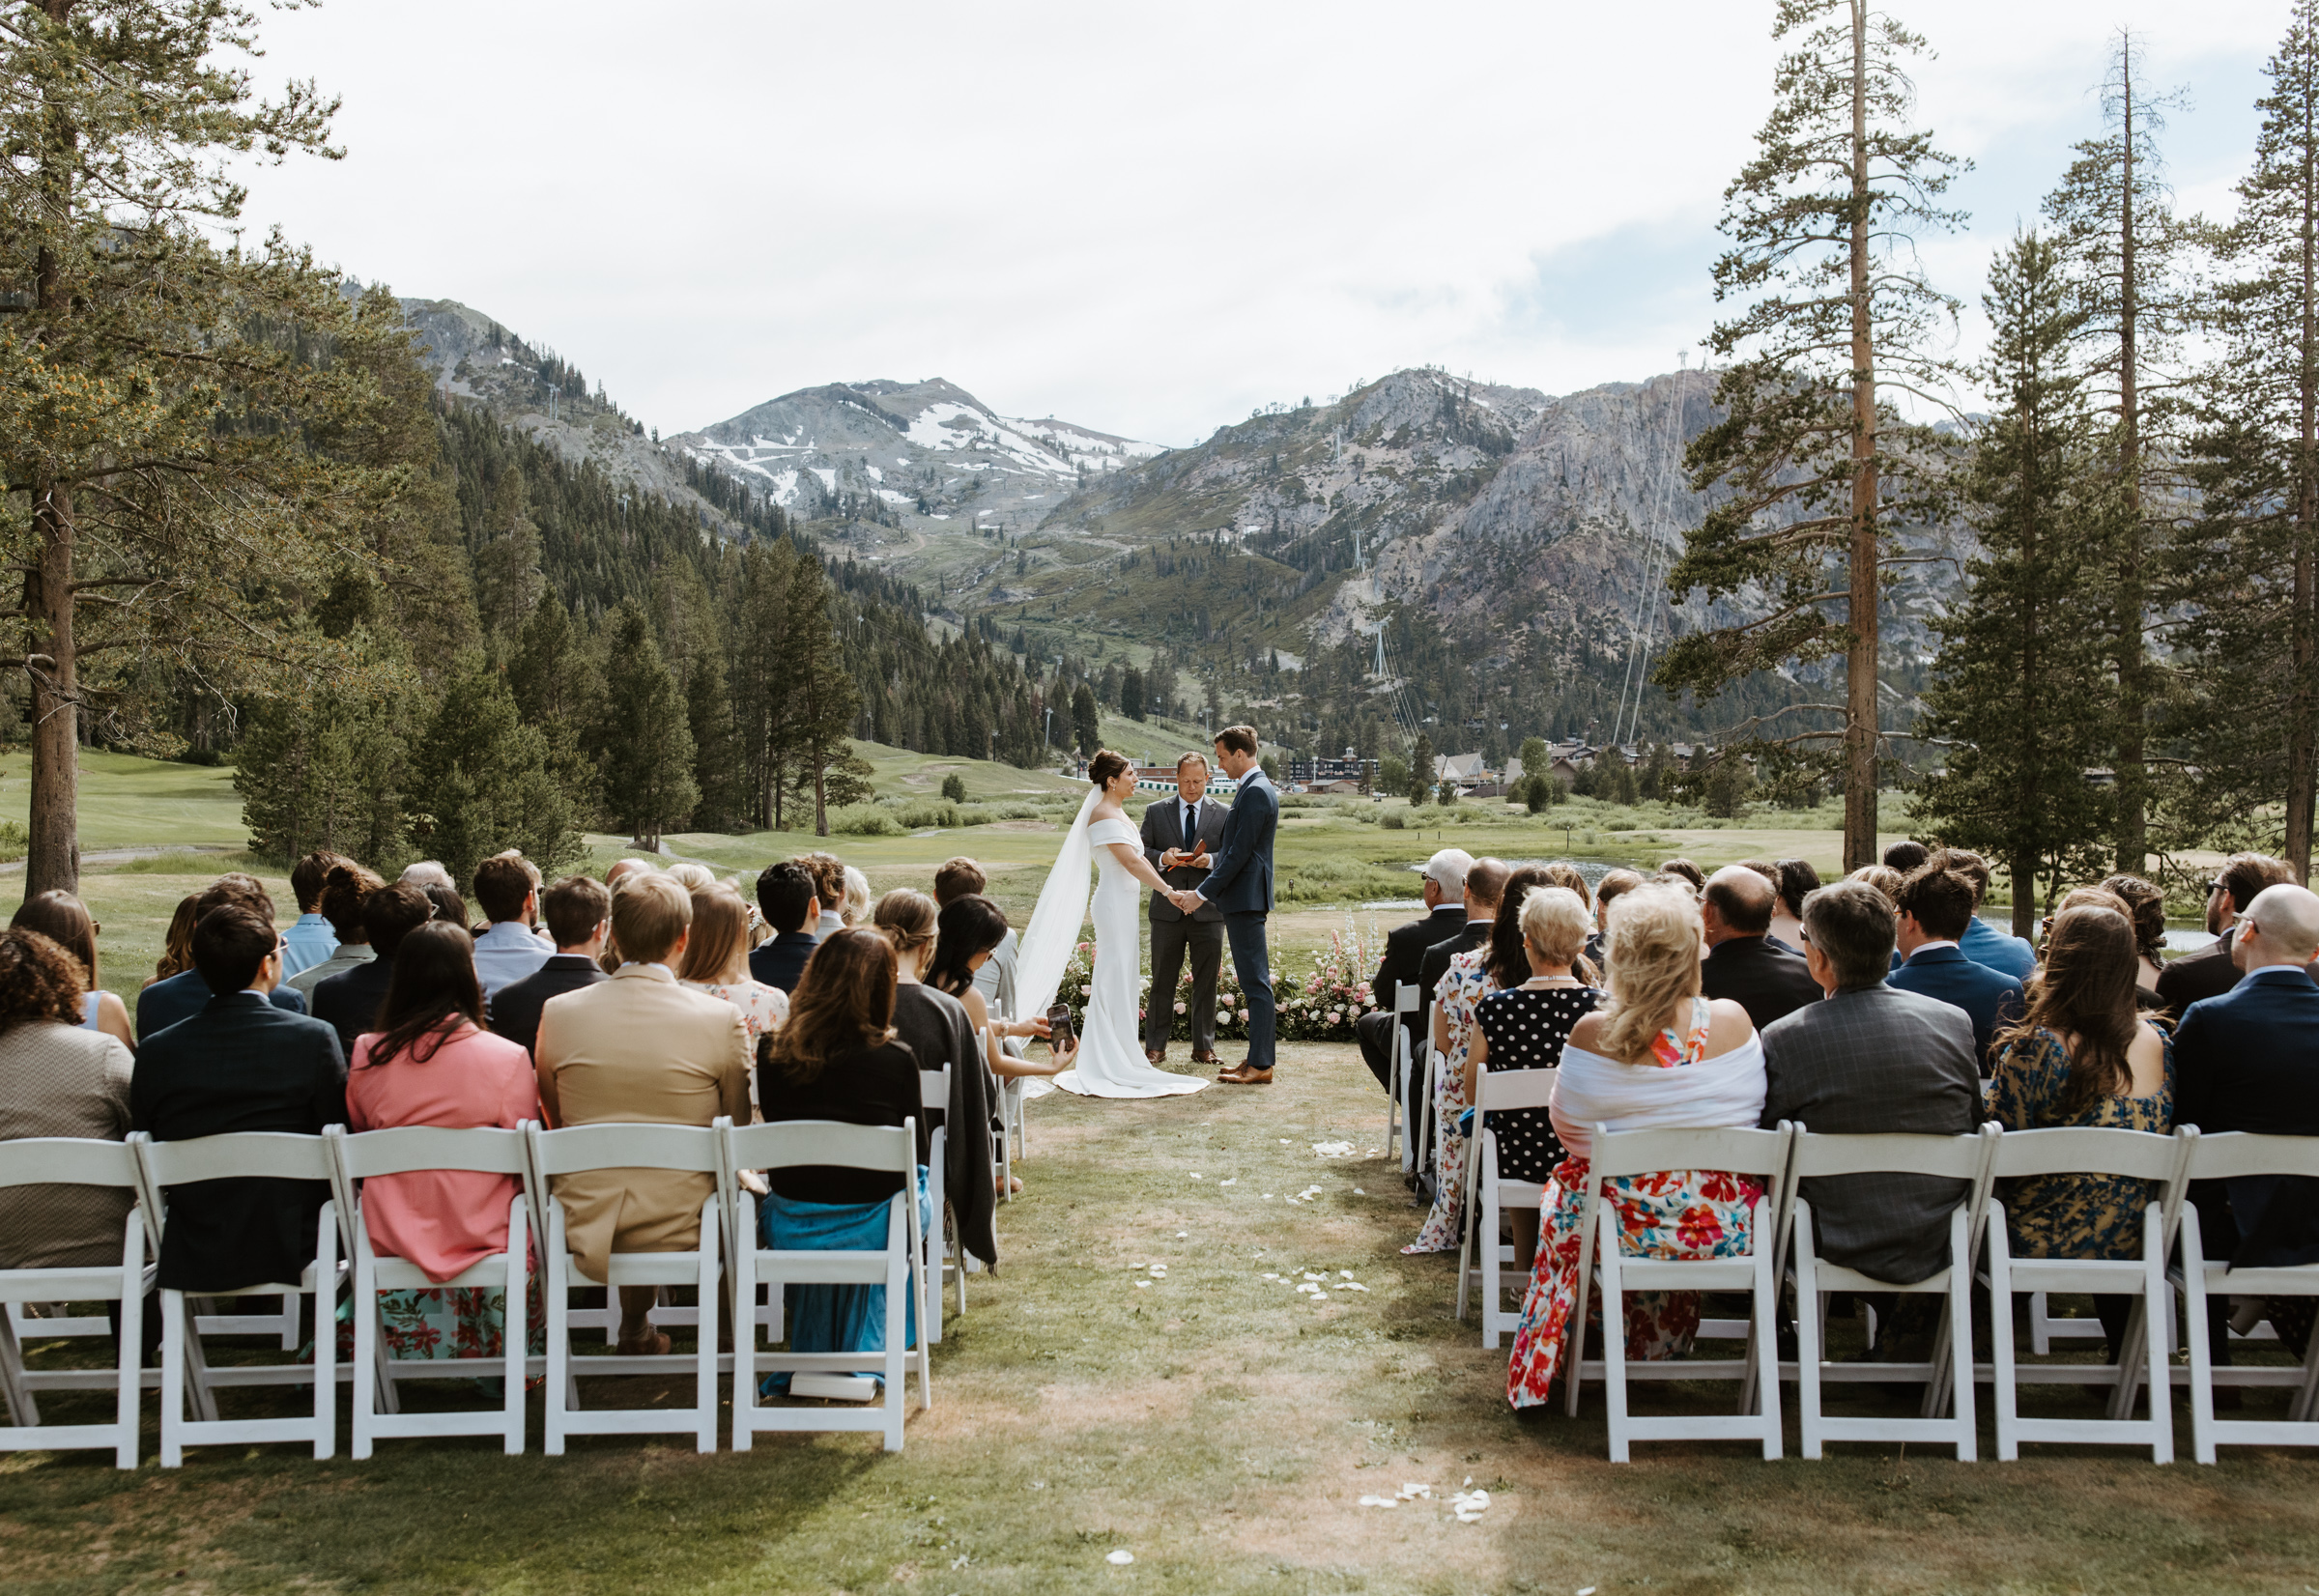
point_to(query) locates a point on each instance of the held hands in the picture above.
(1187, 902)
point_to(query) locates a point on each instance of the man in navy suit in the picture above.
(164, 1002)
(786, 898)
(238, 1065)
(1979, 940)
(1240, 883)
(1405, 953)
(1936, 908)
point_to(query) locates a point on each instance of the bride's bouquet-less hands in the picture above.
(1317, 995)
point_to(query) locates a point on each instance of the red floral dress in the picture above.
(1673, 1214)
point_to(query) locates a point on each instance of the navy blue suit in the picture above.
(164, 1002)
(1983, 944)
(1988, 997)
(781, 960)
(238, 1065)
(1240, 883)
(2249, 1061)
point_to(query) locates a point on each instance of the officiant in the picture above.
(1180, 835)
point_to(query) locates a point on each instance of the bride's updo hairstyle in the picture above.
(1104, 765)
(1652, 954)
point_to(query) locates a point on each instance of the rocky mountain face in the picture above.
(928, 451)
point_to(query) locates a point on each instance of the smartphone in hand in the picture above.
(1058, 1026)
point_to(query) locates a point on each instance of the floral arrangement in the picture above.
(1317, 995)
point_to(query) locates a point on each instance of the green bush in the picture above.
(864, 820)
(953, 788)
(1393, 819)
(14, 841)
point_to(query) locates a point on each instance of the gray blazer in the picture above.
(1162, 830)
(1877, 1060)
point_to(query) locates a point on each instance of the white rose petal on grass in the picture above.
(1231, 1180)
(1412, 1490)
(1378, 1502)
(1122, 1557)
(1332, 1149)
(1357, 1192)
(1140, 1284)
(1469, 1505)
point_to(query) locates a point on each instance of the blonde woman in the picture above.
(854, 909)
(716, 961)
(1526, 1027)
(1657, 1055)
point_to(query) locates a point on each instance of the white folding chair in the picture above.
(900, 1266)
(1967, 1158)
(2131, 1155)
(2229, 1156)
(1397, 1120)
(70, 1160)
(1739, 1152)
(263, 1154)
(949, 1257)
(577, 1150)
(1498, 1092)
(400, 1150)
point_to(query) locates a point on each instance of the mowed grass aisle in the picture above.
(1215, 1424)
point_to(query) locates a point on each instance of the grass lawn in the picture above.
(1215, 1424)
(125, 801)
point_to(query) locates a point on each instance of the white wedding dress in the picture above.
(1111, 1062)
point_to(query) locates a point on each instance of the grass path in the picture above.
(1215, 1424)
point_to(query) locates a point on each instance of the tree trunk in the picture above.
(821, 801)
(2023, 871)
(53, 861)
(1861, 710)
(2302, 707)
(2133, 776)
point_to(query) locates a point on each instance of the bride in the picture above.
(1111, 1062)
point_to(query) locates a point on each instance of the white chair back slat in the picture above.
(934, 1088)
(1763, 1153)
(1956, 1158)
(575, 1150)
(948, 1258)
(2229, 1155)
(2075, 1149)
(783, 1144)
(270, 1154)
(1499, 1091)
(72, 1160)
(403, 1150)
(67, 1160)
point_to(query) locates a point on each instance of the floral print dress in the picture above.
(1673, 1214)
(2073, 1216)
(1458, 993)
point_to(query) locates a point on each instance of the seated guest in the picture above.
(2085, 1056)
(427, 872)
(1656, 1055)
(342, 892)
(1884, 879)
(1498, 963)
(968, 931)
(640, 1047)
(785, 895)
(64, 919)
(177, 942)
(716, 961)
(2246, 1061)
(58, 1077)
(1936, 906)
(1905, 855)
(1797, 881)
(693, 877)
(828, 871)
(1485, 885)
(955, 879)
(2211, 971)
(2146, 906)
(854, 910)
(350, 1000)
(578, 916)
(430, 1062)
(1874, 1058)
(1682, 869)
(933, 1023)
(1607, 892)
(1443, 888)
(164, 1002)
(449, 907)
(509, 950)
(839, 1059)
(309, 939)
(1524, 1025)
(1982, 942)
(1743, 962)
(1560, 873)
(238, 1063)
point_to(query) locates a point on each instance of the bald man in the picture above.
(1743, 964)
(2249, 1061)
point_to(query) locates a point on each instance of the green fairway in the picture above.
(128, 801)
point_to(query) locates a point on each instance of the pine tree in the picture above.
(558, 688)
(163, 393)
(329, 770)
(1420, 770)
(485, 782)
(2018, 693)
(2250, 562)
(1086, 718)
(1131, 700)
(1810, 468)
(2115, 223)
(761, 657)
(822, 695)
(646, 740)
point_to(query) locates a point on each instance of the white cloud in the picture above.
(1141, 220)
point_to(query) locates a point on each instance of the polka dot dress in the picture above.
(1526, 1028)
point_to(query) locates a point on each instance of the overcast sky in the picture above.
(1146, 219)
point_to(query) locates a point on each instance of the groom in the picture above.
(1240, 883)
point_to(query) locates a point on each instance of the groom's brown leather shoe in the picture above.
(1245, 1076)
(1205, 1055)
(1156, 1058)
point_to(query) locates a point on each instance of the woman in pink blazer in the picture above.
(430, 1062)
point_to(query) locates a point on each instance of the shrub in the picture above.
(864, 820)
(1393, 819)
(953, 788)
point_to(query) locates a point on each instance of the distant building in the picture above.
(1320, 773)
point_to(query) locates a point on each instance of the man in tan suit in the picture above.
(639, 1047)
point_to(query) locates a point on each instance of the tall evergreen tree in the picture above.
(1131, 702)
(159, 393)
(2018, 693)
(1810, 469)
(646, 737)
(2113, 219)
(822, 695)
(484, 782)
(331, 769)
(759, 602)
(1086, 718)
(2251, 564)
(1421, 761)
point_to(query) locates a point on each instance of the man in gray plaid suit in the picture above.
(1878, 1060)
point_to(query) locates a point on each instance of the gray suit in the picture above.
(1174, 933)
(1877, 1060)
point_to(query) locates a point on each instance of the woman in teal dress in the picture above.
(2083, 1056)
